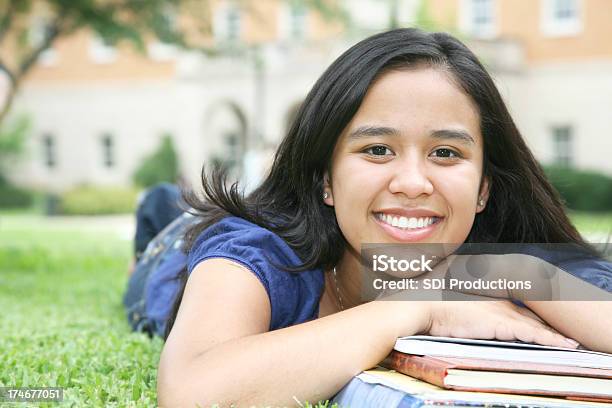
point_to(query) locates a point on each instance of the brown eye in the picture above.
(445, 153)
(378, 150)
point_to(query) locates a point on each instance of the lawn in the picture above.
(62, 321)
(62, 324)
(597, 224)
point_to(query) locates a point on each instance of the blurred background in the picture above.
(102, 98)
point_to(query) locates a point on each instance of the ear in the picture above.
(483, 194)
(327, 189)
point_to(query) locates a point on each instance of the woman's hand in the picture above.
(501, 320)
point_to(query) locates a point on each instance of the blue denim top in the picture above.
(294, 297)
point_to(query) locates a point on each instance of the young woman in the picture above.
(405, 124)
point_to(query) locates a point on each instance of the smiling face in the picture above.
(408, 166)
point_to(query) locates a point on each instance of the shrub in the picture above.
(89, 200)
(14, 197)
(582, 190)
(161, 166)
(12, 141)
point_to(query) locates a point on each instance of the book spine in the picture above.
(426, 369)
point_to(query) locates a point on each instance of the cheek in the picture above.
(355, 188)
(459, 187)
(356, 183)
(459, 190)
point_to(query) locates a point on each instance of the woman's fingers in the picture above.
(501, 320)
(532, 329)
(541, 334)
(550, 334)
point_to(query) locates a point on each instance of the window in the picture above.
(49, 154)
(561, 17)
(297, 21)
(227, 24)
(482, 14)
(565, 10)
(233, 24)
(37, 35)
(367, 14)
(478, 18)
(293, 21)
(102, 51)
(562, 145)
(163, 49)
(108, 150)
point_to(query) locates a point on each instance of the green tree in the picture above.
(161, 166)
(135, 21)
(12, 143)
(12, 140)
(114, 21)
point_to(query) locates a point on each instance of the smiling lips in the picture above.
(410, 226)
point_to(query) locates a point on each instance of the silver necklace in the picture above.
(335, 275)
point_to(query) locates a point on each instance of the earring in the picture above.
(325, 195)
(481, 202)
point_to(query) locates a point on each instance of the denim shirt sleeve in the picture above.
(294, 297)
(597, 272)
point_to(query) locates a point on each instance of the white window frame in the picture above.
(288, 20)
(467, 23)
(48, 58)
(367, 14)
(552, 26)
(100, 52)
(49, 146)
(563, 149)
(109, 157)
(36, 36)
(221, 27)
(161, 51)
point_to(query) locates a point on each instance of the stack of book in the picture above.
(486, 373)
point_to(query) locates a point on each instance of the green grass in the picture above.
(62, 321)
(592, 223)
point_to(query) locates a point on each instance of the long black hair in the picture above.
(522, 206)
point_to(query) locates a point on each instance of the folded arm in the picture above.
(587, 322)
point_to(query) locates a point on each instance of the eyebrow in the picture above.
(372, 131)
(455, 134)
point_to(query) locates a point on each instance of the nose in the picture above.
(410, 178)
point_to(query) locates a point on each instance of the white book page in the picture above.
(505, 351)
(497, 343)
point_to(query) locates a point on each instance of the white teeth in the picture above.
(405, 222)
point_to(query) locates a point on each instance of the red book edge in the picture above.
(434, 370)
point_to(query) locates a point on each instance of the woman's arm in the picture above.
(219, 350)
(589, 323)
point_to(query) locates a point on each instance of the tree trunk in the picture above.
(8, 102)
